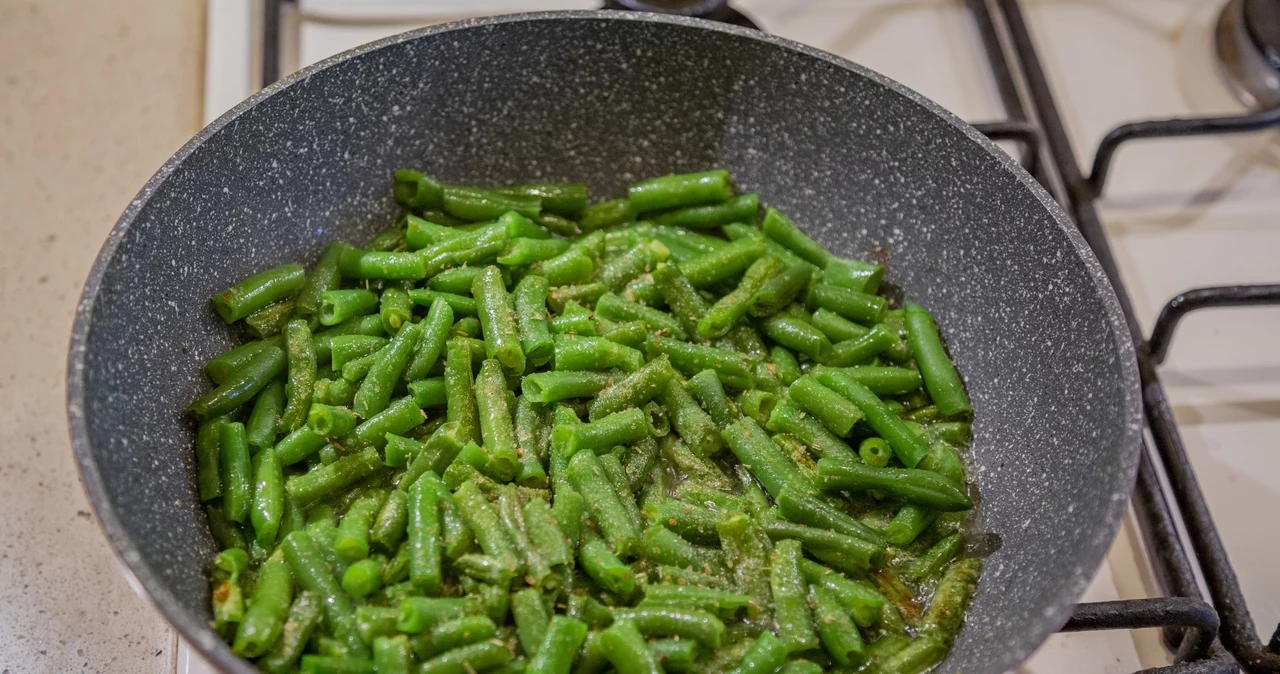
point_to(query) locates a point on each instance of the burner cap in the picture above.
(712, 10)
(1247, 40)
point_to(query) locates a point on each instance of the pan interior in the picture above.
(865, 166)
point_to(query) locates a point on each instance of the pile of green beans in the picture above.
(520, 433)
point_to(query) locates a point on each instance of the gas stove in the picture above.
(1186, 219)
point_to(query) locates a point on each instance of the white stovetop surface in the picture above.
(1180, 214)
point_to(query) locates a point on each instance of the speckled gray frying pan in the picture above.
(864, 165)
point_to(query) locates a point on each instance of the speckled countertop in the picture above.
(93, 97)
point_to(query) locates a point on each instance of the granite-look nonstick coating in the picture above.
(864, 165)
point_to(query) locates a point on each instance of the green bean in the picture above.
(455, 281)
(791, 608)
(237, 472)
(780, 290)
(390, 524)
(401, 416)
(720, 602)
(363, 577)
(224, 364)
(352, 542)
(863, 603)
(943, 617)
(663, 546)
(268, 497)
(497, 321)
(460, 304)
(634, 390)
(269, 320)
(323, 481)
(733, 369)
(423, 530)
(395, 309)
(575, 320)
(776, 226)
(302, 375)
(837, 328)
(454, 633)
(685, 302)
(555, 654)
(606, 509)
(855, 552)
(440, 449)
(885, 380)
(540, 522)
(856, 306)
(604, 567)
(475, 204)
(298, 445)
(567, 199)
(675, 191)
(417, 191)
(697, 523)
(918, 656)
(260, 427)
(263, 621)
(875, 452)
(240, 386)
(940, 376)
(460, 389)
(341, 663)
(863, 349)
(731, 308)
(801, 507)
(531, 619)
(786, 418)
(931, 562)
(676, 453)
(756, 451)
(640, 259)
(391, 655)
(484, 524)
(853, 274)
(311, 573)
(568, 508)
(723, 264)
(574, 265)
(420, 233)
(689, 420)
(765, 655)
(496, 425)
(594, 353)
(258, 291)
(705, 387)
(586, 295)
(660, 620)
(532, 440)
(419, 614)
(619, 428)
(798, 335)
(736, 209)
(738, 231)
(338, 306)
(480, 656)
(373, 264)
(332, 392)
(531, 310)
(304, 616)
(833, 410)
(324, 276)
(836, 630)
(800, 667)
(345, 348)
(399, 450)
(607, 214)
(208, 460)
(627, 333)
(785, 364)
(525, 251)
(615, 308)
(922, 487)
(909, 446)
(549, 387)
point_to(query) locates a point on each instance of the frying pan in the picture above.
(865, 165)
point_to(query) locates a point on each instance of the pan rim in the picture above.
(213, 649)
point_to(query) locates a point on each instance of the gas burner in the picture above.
(1247, 42)
(712, 10)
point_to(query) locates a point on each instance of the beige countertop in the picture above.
(94, 96)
